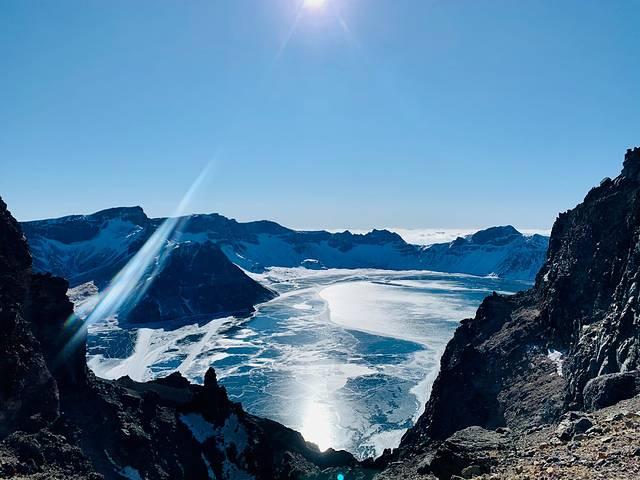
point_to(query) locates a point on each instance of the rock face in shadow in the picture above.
(526, 359)
(28, 392)
(57, 420)
(198, 280)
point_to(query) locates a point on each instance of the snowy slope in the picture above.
(501, 251)
(92, 247)
(83, 248)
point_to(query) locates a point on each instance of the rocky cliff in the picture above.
(572, 342)
(59, 421)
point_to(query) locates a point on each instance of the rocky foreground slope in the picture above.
(57, 420)
(570, 344)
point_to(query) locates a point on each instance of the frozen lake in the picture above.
(346, 357)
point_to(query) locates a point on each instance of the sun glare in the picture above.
(317, 425)
(314, 4)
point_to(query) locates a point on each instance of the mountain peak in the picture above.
(494, 233)
(631, 165)
(385, 235)
(133, 214)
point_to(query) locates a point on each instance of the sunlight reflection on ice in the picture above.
(346, 357)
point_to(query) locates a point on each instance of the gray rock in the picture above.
(471, 447)
(572, 424)
(471, 471)
(607, 390)
(582, 425)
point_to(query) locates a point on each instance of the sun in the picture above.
(314, 4)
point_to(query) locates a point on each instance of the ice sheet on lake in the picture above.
(347, 357)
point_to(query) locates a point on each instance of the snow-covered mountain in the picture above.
(502, 251)
(176, 280)
(83, 248)
(94, 247)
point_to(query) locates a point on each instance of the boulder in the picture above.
(467, 452)
(607, 390)
(573, 423)
(472, 471)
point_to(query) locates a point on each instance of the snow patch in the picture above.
(127, 471)
(556, 357)
(233, 433)
(210, 474)
(200, 428)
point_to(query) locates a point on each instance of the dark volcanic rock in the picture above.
(606, 390)
(486, 377)
(28, 392)
(198, 279)
(62, 335)
(466, 449)
(573, 423)
(585, 307)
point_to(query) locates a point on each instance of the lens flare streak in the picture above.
(126, 288)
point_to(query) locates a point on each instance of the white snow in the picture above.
(126, 471)
(75, 258)
(274, 250)
(200, 428)
(302, 306)
(556, 357)
(233, 433)
(154, 346)
(369, 307)
(210, 474)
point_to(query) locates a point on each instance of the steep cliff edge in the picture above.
(571, 342)
(57, 420)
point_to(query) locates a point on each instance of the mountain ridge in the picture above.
(261, 244)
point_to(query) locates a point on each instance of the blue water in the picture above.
(346, 357)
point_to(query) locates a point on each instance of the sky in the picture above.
(356, 114)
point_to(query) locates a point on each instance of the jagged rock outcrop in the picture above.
(526, 359)
(28, 392)
(57, 420)
(606, 390)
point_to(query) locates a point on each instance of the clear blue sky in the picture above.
(410, 113)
